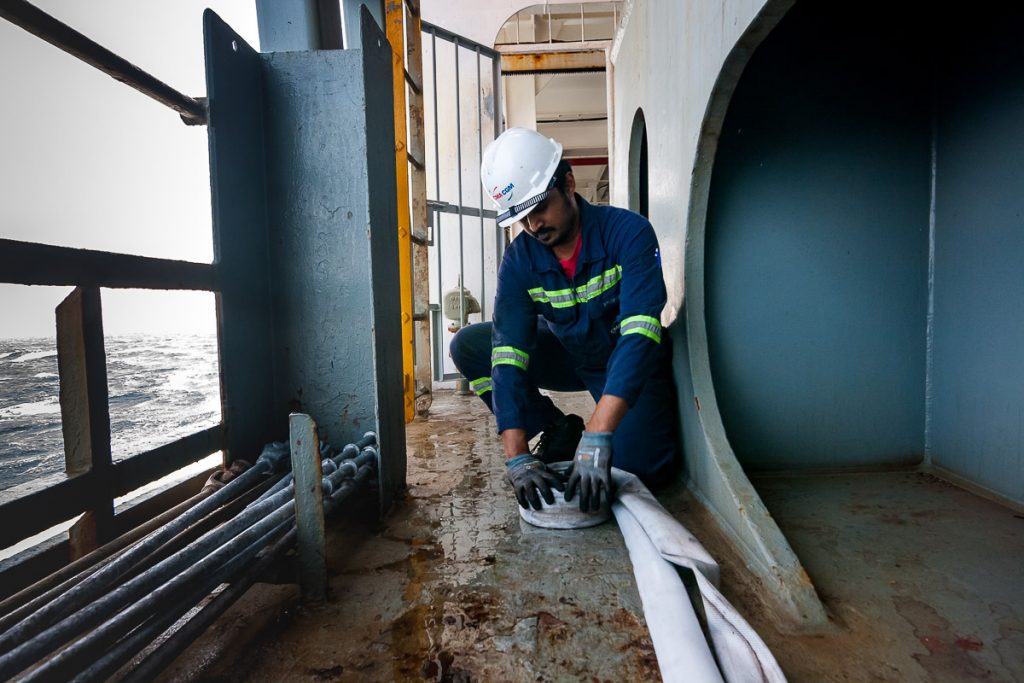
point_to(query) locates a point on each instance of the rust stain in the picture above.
(329, 674)
(968, 643)
(945, 657)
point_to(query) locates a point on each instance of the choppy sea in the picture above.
(161, 388)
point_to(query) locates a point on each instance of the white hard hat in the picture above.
(518, 170)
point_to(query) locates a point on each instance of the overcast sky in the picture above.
(88, 162)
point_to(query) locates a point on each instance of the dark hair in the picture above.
(563, 169)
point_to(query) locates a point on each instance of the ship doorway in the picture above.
(548, 72)
(555, 77)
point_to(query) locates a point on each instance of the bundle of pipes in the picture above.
(85, 625)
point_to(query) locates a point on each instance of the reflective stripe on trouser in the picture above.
(647, 438)
(509, 355)
(471, 351)
(480, 386)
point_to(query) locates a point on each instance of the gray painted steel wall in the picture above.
(302, 160)
(976, 393)
(333, 243)
(817, 242)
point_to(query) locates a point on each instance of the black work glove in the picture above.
(528, 475)
(591, 470)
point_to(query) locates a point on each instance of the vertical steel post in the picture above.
(462, 386)
(480, 161)
(437, 184)
(458, 172)
(418, 186)
(499, 232)
(85, 412)
(309, 507)
(395, 20)
(583, 25)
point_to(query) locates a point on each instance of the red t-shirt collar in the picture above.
(569, 264)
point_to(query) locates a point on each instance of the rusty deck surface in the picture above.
(924, 580)
(452, 586)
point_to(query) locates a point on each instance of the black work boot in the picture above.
(559, 439)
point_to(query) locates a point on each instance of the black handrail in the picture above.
(41, 24)
(44, 502)
(30, 263)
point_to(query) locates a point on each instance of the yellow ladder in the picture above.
(403, 31)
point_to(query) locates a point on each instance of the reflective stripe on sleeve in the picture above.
(567, 298)
(560, 298)
(481, 386)
(642, 324)
(599, 284)
(509, 355)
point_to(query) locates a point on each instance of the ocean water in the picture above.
(161, 388)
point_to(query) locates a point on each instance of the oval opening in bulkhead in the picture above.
(864, 240)
(638, 166)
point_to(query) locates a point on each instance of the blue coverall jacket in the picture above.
(607, 318)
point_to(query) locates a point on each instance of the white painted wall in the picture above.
(520, 102)
(667, 58)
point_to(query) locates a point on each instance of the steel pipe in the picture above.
(212, 542)
(228, 511)
(157, 660)
(91, 588)
(349, 451)
(149, 592)
(128, 647)
(27, 600)
(163, 583)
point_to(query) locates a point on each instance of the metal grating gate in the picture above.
(462, 115)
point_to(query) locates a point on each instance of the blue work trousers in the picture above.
(646, 441)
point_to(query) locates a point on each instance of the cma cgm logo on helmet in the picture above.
(498, 195)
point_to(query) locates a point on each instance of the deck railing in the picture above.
(92, 480)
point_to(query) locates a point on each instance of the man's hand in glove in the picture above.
(528, 476)
(591, 470)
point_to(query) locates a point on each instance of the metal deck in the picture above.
(922, 579)
(452, 586)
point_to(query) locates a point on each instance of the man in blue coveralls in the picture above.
(578, 306)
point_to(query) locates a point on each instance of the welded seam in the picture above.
(930, 323)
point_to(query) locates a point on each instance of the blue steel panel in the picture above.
(288, 25)
(976, 417)
(237, 166)
(817, 237)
